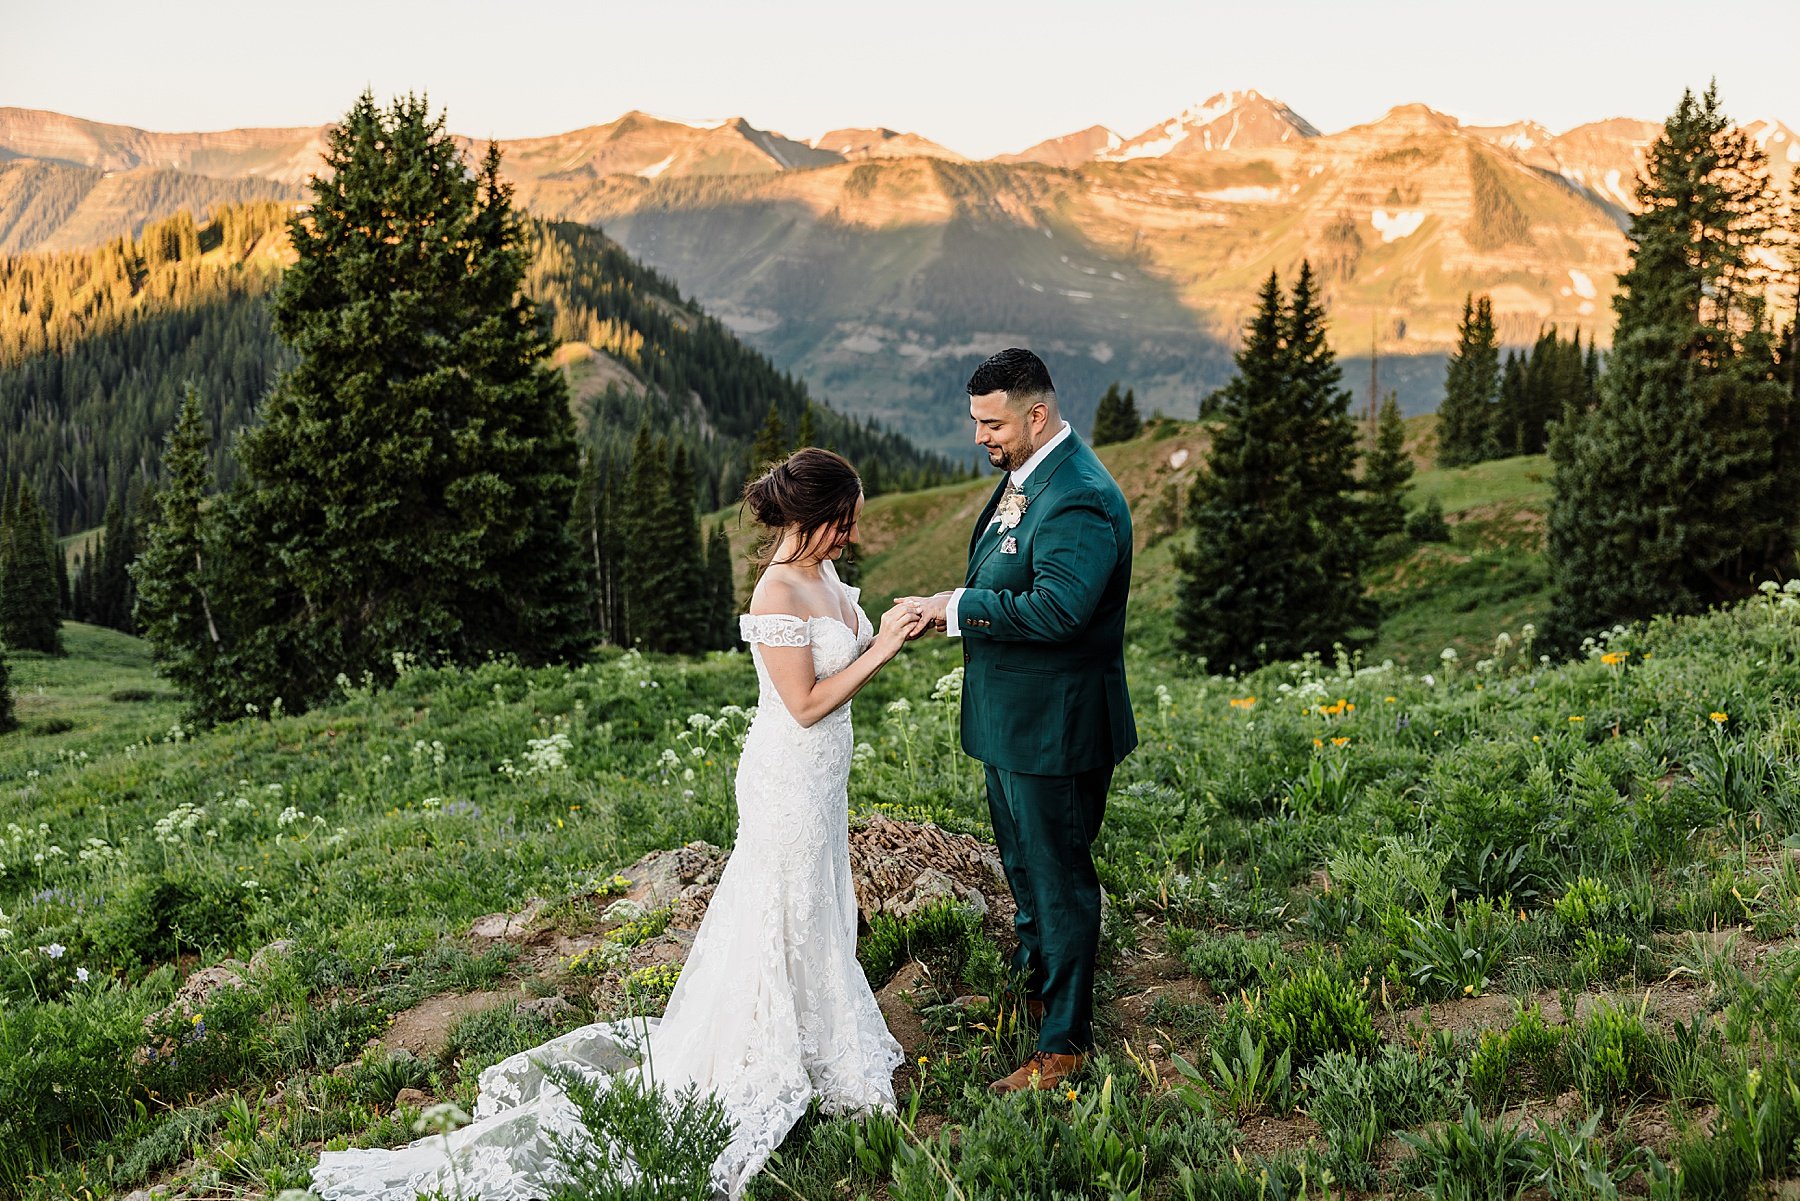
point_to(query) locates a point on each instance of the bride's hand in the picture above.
(898, 625)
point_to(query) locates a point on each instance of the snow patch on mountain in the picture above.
(1583, 285)
(655, 169)
(1403, 224)
(1242, 194)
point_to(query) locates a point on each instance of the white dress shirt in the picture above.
(1017, 478)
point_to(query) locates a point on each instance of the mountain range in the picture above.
(879, 264)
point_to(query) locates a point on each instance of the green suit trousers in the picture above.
(1045, 828)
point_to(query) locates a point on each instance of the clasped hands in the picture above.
(929, 610)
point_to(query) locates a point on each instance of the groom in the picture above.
(1041, 615)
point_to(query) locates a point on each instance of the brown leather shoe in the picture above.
(1043, 1070)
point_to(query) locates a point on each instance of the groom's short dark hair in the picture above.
(1016, 372)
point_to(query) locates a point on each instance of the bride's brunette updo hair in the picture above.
(809, 491)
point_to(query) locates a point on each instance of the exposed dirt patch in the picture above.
(1266, 1135)
(425, 1028)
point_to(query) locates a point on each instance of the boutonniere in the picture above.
(1012, 508)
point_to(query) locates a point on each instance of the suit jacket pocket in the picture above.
(1020, 669)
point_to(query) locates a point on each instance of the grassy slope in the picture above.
(1218, 827)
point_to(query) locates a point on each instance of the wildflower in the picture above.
(1243, 702)
(1577, 719)
(81, 975)
(1390, 700)
(1339, 741)
(1448, 654)
(1070, 1096)
(54, 951)
(1468, 990)
(1318, 743)
(924, 1060)
(1614, 658)
(699, 721)
(441, 1118)
(899, 708)
(1718, 718)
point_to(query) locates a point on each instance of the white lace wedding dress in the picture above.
(771, 1010)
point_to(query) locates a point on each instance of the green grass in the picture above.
(1384, 830)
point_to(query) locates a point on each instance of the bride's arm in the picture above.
(808, 699)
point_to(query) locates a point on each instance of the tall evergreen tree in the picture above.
(1116, 419)
(177, 575)
(1387, 474)
(1507, 422)
(808, 434)
(1470, 387)
(771, 442)
(1680, 488)
(1275, 568)
(724, 631)
(409, 482)
(30, 609)
(690, 600)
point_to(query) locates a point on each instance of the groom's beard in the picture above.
(1013, 459)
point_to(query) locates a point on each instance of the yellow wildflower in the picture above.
(1390, 700)
(1577, 719)
(1339, 741)
(1071, 1095)
(1318, 743)
(1243, 702)
(1718, 718)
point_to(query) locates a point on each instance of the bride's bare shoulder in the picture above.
(776, 594)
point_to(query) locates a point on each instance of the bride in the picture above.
(772, 1009)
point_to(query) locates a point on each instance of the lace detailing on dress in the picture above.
(771, 1011)
(774, 629)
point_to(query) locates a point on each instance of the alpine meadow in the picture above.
(372, 550)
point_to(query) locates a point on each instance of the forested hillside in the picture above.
(96, 346)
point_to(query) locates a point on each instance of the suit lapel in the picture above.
(1041, 476)
(987, 515)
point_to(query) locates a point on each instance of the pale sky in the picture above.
(981, 78)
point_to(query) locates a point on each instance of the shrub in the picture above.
(1613, 1055)
(1524, 1059)
(669, 1141)
(1470, 1160)
(1459, 958)
(1426, 523)
(1230, 962)
(1315, 1012)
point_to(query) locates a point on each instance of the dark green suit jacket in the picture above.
(1043, 624)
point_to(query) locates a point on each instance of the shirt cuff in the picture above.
(952, 628)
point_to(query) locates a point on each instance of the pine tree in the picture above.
(1327, 452)
(1116, 419)
(1507, 428)
(690, 598)
(724, 589)
(1275, 567)
(409, 482)
(1470, 386)
(111, 598)
(771, 442)
(1387, 475)
(1680, 487)
(176, 576)
(30, 610)
(807, 435)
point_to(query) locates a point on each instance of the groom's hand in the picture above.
(931, 608)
